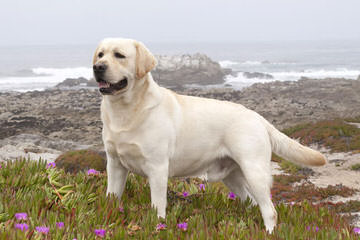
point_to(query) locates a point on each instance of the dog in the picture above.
(156, 133)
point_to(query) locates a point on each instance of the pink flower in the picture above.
(51, 165)
(22, 226)
(60, 225)
(231, 196)
(100, 232)
(183, 226)
(202, 187)
(92, 172)
(121, 209)
(21, 216)
(357, 230)
(160, 226)
(185, 194)
(42, 229)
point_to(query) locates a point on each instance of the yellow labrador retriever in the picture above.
(157, 133)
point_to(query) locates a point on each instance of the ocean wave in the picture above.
(227, 63)
(43, 78)
(316, 73)
(240, 80)
(65, 72)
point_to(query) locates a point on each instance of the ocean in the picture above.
(28, 68)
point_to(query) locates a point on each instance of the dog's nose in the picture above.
(99, 68)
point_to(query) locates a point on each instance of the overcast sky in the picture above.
(29, 22)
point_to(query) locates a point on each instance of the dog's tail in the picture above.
(291, 150)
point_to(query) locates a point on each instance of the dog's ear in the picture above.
(145, 61)
(95, 55)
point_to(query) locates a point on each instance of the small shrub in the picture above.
(75, 161)
(335, 134)
(356, 167)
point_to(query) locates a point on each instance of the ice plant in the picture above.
(356, 230)
(185, 194)
(60, 225)
(92, 172)
(202, 187)
(22, 226)
(183, 226)
(51, 165)
(160, 226)
(100, 232)
(42, 229)
(231, 196)
(21, 216)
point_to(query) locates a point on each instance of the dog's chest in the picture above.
(127, 151)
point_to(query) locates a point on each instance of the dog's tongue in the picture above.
(103, 85)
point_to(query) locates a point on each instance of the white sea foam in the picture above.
(227, 63)
(239, 81)
(312, 73)
(43, 78)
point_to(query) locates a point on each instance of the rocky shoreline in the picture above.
(61, 119)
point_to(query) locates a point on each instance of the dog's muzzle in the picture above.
(107, 88)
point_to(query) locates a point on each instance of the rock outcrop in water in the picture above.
(185, 69)
(173, 72)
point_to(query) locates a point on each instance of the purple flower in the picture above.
(185, 194)
(231, 196)
(21, 216)
(160, 226)
(313, 228)
(60, 225)
(270, 196)
(42, 229)
(51, 165)
(202, 187)
(357, 230)
(121, 209)
(92, 172)
(22, 226)
(183, 226)
(100, 232)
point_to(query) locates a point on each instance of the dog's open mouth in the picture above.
(110, 88)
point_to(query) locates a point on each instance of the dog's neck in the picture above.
(145, 94)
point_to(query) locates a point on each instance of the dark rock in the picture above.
(72, 82)
(257, 75)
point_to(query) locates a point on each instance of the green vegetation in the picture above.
(49, 195)
(356, 167)
(335, 134)
(74, 161)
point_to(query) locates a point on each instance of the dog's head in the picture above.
(119, 64)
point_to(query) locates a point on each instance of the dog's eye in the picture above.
(100, 55)
(119, 55)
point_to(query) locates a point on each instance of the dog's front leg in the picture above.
(117, 175)
(158, 178)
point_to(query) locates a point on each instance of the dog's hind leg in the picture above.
(253, 153)
(236, 182)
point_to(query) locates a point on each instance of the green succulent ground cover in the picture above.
(49, 195)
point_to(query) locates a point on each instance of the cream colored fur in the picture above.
(157, 133)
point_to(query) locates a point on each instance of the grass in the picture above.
(355, 167)
(49, 195)
(335, 134)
